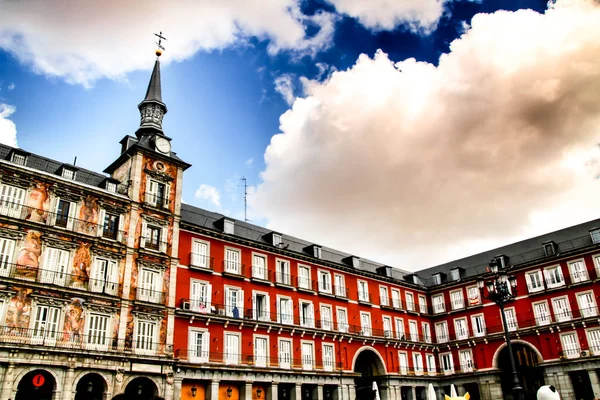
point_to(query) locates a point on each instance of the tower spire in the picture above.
(152, 109)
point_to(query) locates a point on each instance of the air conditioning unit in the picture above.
(186, 305)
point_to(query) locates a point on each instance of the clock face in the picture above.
(163, 145)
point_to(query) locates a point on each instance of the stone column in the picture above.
(247, 395)
(352, 392)
(413, 393)
(297, 392)
(319, 390)
(595, 384)
(7, 382)
(214, 390)
(273, 391)
(177, 384)
(68, 384)
(460, 390)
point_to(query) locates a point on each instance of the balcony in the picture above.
(341, 292)
(261, 274)
(284, 279)
(153, 244)
(38, 216)
(201, 262)
(57, 278)
(156, 200)
(149, 295)
(305, 284)
(364, 297)
(234, 269)
(325, 288)
(17, 337)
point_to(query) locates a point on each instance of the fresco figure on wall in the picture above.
(74, 321)
(129, 333)
(28, 259)
(82, 263)
(38, 203)
(18, 312)
(88, 216)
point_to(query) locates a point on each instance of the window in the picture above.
(396, 302)
(593, 338)
(387, 327)
(562, 310)
(426, 332)
(199, 254)
(145, 336)
(11, 200)
(68, 173)
(260, 306)
(18, 159)
(112, 226)
(418, 363)
(325, 281)
(383, 296)
(307, 314)
(232, 261)
(447, 363)
(285, 353)
(570, 345)
(7, 248)
(158, 195)
(200, 296)
(441, 332)
(478, 324)
(98, 331)
(473, 295)
(104, 276)
(554, 276)
(276, 239)
(285, 313)
(365, 324)
(199, 349)
(597, 264)
(534, 281)
(578, 271)
(410, 301)
(326, 317)
(228, 227)
(342, 319)
(45, 325)
(259, 266)
(595, 234)
(111, 187)
(56, 264)
(234, 302)
(587, 305)
(541, 313)
(149, 285)
(307, 356)
(413, 330)
(511, 319)
(461, 328)
(457, 300)
(153, 236)
(438, 304)
(232, 348)
(340, 286)
(422, 304)
(430, 364)
(317, 252)
(437, 279)
(283, 272)
(304, 277)
(400, 334)
(455, 274)
(260, 351)
(363, 291)
(466, 360)
(328, 357)
(65, 214)
(403, 362)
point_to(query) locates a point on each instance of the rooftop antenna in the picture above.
(75, 161)
(244, 182)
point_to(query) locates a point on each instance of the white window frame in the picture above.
(455, 274)
(285, 362)
(340, 290)
(229, 308)
(11, 203)
(561, 315)
(289, 316)
(396, 301)
(232, 265)
(548, 276)
(198, 303)
(388, 332)
(597, 263)
(151, 294)
(267, 311)
(146, 237)
(449, 371)
(232, 358)
(413, 330)
(304, 282)
(326, 285)
(328, 364)
(426, 330)
(430, 362)
(283, 277)
(513, 324)
(403, 369)
(326, 325)
(473, 300)
(457, 303)
(308, 360)
(306, 321)
(438, 303)
(364, 329)
(7, 254)
(228, 227)
(384, 296)
(461, 334)
(535, 285)
(575, 350)
(418, 363)
(363, 295)
(201, 356)
(199, 259)
(258, 271)
(593, 339)
(541, 313)
(474, 329)
(400, 333)
(466, 360)
(55, 271)
(409, 297)
(153, 194)
(261, 360)
(441, 335)
(578, 276)
(422, 304)
(107, 279)
(149, 343)
(587, 310)
(46, 330)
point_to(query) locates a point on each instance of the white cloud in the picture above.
(84, 41)
(8, 129)
(417, 15)
(249, 161)
(208, 193)
(413, 164)
(11, 86)
(284, 85)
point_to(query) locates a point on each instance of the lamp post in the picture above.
(501, 289)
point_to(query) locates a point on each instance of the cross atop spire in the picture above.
(160, 48)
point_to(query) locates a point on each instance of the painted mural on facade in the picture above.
(122, 175)
(38, 203)
(82, 262)
(18, 312)
(74, 320)
(89, 215)
(164, 172)
(28, 258)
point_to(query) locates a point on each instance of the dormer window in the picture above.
(595, 234)
(437, 279)
(355, 262)
(317, 251)
(550, 248)
(455, 274)
(314, 250)
(276, 238)
(19, 158)
(228, 226)
(111, 187)
(68, 173)
(501, 260)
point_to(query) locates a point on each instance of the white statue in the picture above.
(548, 392)
(453, 396)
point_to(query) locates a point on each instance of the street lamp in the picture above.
(258, 393)
(229, 392)
(194, 389)
(90, 387)
(501, 289)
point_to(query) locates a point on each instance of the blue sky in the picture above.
(74, 90)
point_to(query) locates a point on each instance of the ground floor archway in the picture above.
(141, 389)
(531, 375)
(90, 387)
(38, 384)
(369, 365)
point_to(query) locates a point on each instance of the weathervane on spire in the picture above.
(160, 49)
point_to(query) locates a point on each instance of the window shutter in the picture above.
(121, 225)
(54, 201)
(72, 214)
(101, 216)
(241, 303)
(278, 306)
(268, 308)
(205, 344)
(167, 194)
(144, 234)
(254, 307)
(163, 240)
